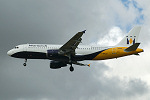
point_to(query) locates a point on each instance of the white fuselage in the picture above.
(42, 48)
(71, 52)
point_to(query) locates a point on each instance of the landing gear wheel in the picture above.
(71, 69)
(24, 64)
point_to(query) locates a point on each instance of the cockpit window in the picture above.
(16, 47)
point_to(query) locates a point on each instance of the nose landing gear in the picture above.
(25, 63)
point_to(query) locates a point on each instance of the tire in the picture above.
(71, 69)
(24, 64)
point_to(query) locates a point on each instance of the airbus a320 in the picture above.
(72, 53)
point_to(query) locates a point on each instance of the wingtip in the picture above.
(84, 31)
(89, 65)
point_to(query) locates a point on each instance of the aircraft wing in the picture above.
(72, 44)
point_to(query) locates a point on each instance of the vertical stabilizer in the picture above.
(131, 38)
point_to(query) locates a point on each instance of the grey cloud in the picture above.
(35, 82)
(41, 22)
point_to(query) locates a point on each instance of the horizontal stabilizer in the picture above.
(132, 47)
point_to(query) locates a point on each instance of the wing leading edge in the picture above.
(72, 44)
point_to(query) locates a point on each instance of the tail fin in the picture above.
(131, 38)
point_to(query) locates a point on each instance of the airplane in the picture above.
(72, 53)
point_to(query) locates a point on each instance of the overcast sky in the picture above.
(55, 22)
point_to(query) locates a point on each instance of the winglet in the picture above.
(132, 47)
(84, 31)
(89, 65)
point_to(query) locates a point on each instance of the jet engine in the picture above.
(57, 64)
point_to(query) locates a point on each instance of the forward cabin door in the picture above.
(25, 48)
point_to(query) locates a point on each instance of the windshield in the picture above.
(16, 47)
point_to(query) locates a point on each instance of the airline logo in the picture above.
(130, 39)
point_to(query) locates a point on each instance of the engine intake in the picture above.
(57, 64)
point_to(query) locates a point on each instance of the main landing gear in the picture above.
(71, 68)
(25, 62)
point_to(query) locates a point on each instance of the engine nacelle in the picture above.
(57, 64)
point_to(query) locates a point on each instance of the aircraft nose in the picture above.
(9, 52)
